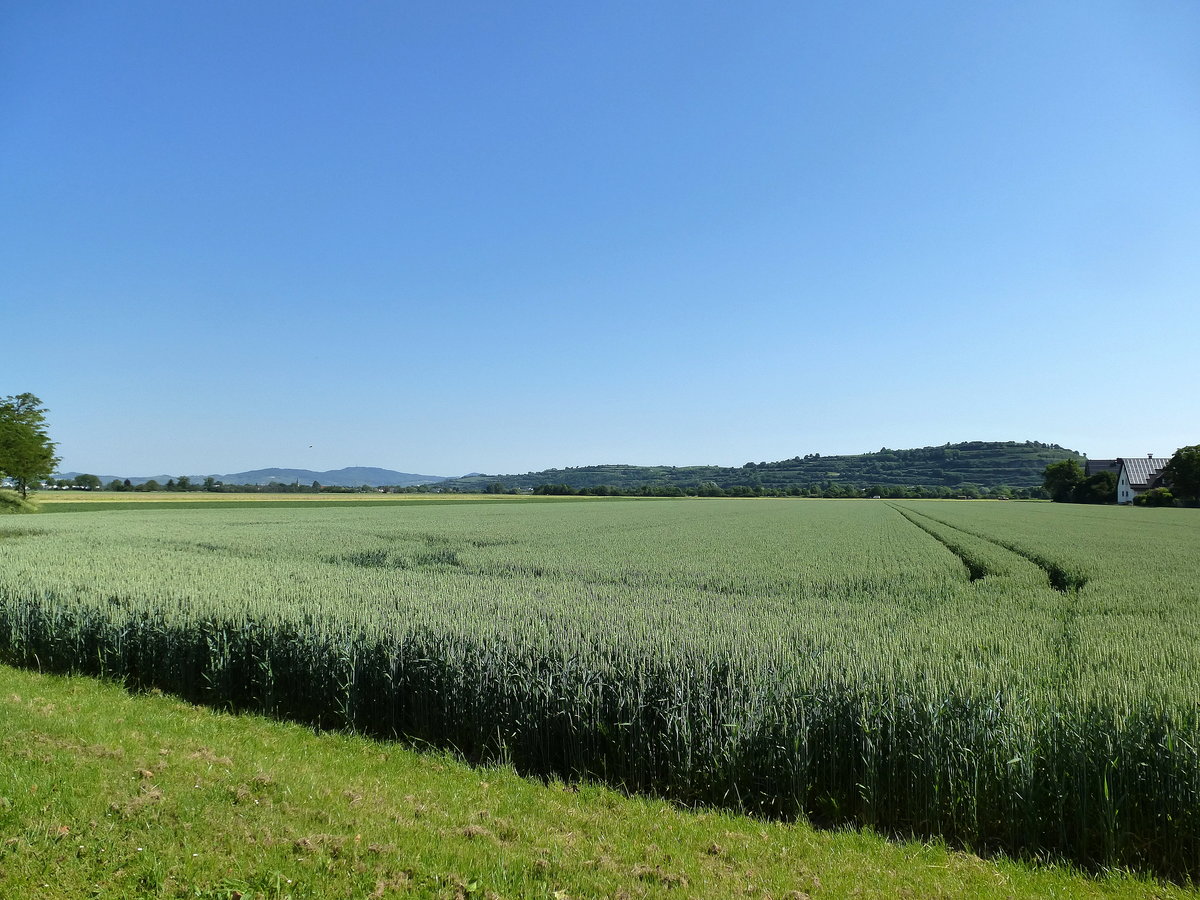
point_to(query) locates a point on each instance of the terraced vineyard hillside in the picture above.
(985, 464)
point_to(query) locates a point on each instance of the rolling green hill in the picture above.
(985, 464)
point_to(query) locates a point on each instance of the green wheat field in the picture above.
(1010, 677)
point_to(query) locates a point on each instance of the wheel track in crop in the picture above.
(1060, 579)
(976, 568)
(1065, 582)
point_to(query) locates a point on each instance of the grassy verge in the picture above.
(108, 795)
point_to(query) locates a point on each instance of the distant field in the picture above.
(74, 501)
(1012, 676)
(53, 498)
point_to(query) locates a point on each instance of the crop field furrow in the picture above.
(979, 559)
(992, 557)
(1062, 578)
(827, 659)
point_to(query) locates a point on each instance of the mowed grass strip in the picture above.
(104, 794)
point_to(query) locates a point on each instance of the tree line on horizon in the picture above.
(831, 490)
(184, 484)
(827, 490)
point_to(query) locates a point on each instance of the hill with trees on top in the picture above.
(972, 468)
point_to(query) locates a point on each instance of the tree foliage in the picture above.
(1183, 472)
(1100, 487)
(1061, 478)
(1158, 496)
(26, 451)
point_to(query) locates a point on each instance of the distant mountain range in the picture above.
(986, 464)
(354, 476)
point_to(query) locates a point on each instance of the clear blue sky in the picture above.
(443, 237)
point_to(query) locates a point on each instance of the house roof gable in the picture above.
(1141, 471)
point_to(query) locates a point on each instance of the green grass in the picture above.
(109, 795)
(13, 503)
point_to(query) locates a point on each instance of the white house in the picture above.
(1137, 474)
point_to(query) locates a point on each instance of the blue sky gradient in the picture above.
(501, 237)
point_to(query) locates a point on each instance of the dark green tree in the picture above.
(26, 451)
(1183, 473)
(1098, 488)
(1060, 478)
(88, 482)
(555, 489)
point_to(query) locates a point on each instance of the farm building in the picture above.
(1092, 466)
(1138, 474)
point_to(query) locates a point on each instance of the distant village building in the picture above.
(1138, 474)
